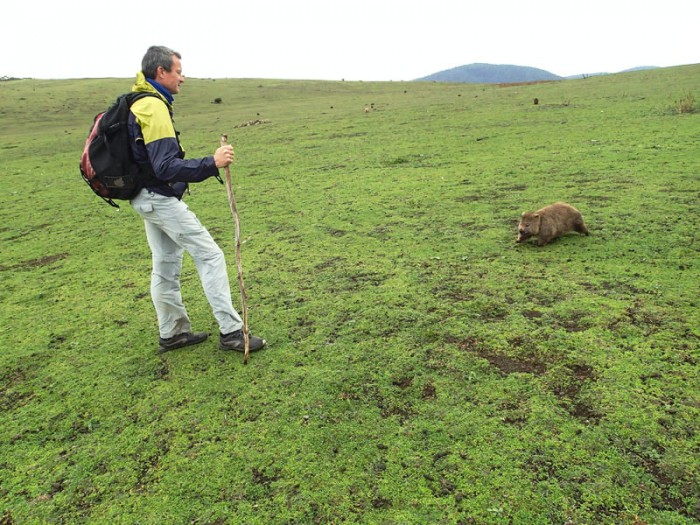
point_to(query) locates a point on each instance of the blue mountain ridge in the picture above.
(503, 74)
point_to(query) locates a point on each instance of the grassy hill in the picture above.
(422, 367)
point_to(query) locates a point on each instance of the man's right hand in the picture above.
(224, 156)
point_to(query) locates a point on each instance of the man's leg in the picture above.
(184, 230)
(165, 283)
(211, 266)
(173, 322)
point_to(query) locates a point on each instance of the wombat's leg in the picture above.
(542, 240)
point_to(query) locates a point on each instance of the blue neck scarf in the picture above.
(159, 87)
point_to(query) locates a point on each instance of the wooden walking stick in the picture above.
(237, 222)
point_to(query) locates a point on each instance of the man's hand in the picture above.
(224, 156)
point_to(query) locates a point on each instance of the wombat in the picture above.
(550, 222)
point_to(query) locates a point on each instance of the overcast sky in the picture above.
(344, 39)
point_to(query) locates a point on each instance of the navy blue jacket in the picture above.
(156, 142)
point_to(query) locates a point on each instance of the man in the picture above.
(171, 228)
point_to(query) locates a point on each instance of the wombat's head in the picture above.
(529, 226)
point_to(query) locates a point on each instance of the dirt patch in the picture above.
(11, 394)
(568, 391)
(516, 188)
(10, 399)
(402, 411)
(56, 341)
(469, 198)
(261, 477)
(508, 365)
(585, 413)
(163, 370)
(505, 364)
(382, 231)
(571, 325)
(403, 382)
(429, 391)
(148, 466)
(36, 263)
(665, 481)
(329, 263)
(532, 314)
(355, 281)
(24, 233)
(381, 503)
(255, 122)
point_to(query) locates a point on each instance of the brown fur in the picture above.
(550, 222)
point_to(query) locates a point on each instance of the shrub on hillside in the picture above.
(686, 104)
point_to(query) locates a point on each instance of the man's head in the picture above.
(163, 65)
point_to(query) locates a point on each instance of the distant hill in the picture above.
(640, 68)
(491, 74)
(505, 74)
(631, 70)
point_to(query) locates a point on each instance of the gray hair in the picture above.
(155, 57)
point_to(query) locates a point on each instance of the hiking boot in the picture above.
(236, 341)
(181, 340)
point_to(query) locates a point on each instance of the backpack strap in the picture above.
(149, 177)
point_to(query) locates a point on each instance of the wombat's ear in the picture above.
(536, 215)
(523, 215)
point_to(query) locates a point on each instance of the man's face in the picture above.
(172, 79)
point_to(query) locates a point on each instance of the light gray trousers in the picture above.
(171, 228)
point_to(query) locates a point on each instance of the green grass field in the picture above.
(422, 367)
